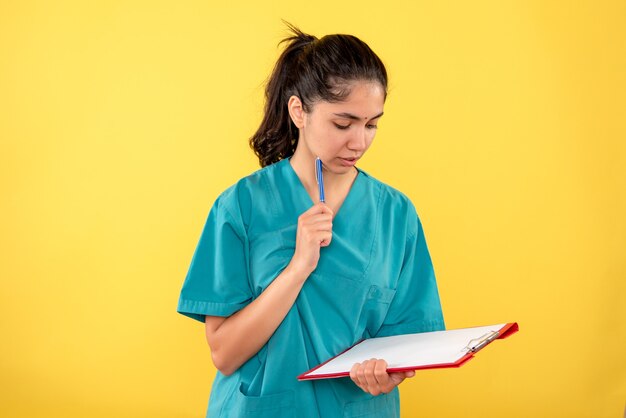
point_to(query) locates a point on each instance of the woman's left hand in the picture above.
(372, 376)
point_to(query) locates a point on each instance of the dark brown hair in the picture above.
(311, 69)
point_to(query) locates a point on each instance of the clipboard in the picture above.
(427, 350)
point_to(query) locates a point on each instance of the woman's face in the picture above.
(340, 133)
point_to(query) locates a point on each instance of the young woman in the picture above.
(283, 281)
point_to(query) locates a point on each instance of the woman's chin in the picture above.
(340, 169)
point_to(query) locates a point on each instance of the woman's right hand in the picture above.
(315, 230)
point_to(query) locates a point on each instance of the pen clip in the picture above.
(319, 178)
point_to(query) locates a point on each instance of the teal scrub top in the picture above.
(375, 279)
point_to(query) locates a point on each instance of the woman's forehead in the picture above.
(365, 101)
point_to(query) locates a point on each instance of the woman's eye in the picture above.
(341, 126)
(372, 126)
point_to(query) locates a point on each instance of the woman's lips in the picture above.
(348, 162)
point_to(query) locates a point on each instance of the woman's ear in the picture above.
(296, 111)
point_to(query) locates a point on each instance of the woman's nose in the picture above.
(358, 141)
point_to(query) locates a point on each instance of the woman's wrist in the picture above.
(298, 270)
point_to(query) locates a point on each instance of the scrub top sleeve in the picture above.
(217, 280)
(416, 306)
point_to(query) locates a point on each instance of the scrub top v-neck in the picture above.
(374, 279)
(304, 199)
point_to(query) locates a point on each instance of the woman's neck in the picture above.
(336, 185)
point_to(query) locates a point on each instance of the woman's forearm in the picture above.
(234, 340)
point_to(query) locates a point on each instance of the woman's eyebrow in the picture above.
(354, 117)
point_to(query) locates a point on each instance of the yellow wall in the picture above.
(120, 122)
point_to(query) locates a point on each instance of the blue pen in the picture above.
(320, 178)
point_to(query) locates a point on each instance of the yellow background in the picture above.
(121, 121)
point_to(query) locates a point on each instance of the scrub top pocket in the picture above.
(276, 405)
(381, 406)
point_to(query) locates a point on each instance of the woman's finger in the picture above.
(319, 225)
(372, 384)
(354, 376)
(319, 208)
(381, 375)
(325, 238)
(360, 373)
(397, 378)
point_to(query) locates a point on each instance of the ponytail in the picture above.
(311, 69)
(276, 138)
